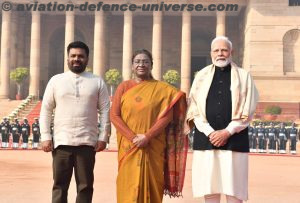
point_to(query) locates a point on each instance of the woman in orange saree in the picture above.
(149, 116)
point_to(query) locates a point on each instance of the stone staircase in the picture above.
(31, 111)
(7, 106)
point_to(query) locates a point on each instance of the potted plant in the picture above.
(113, 77)
(19, 75)
(272, 112)
(89, 69)
(172, 77)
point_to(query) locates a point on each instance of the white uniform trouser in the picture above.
(35, 145)
(216, 198)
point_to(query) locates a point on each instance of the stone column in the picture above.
(5, 54)
(14, 52)
(100, 62)
(127, 45)
(35, 54)
(221, 25)
(157, 44)
(13, 40)
(69, 35)
(21, 39)
(186, 52)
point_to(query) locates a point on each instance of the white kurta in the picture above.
(77, 99)
(220, 171)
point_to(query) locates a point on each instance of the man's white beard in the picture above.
(222, 63)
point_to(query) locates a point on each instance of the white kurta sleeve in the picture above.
(237, 126)
(203, 127)
(103, 110)
(48, 104)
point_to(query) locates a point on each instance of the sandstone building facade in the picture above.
(265, 36)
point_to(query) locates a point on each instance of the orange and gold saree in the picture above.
(155, 109)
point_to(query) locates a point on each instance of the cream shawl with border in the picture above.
(244, 94)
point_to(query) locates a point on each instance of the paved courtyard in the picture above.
(26, 177)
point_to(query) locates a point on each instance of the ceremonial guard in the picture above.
(272, 137)
(16, 131)
(293, 134)
(282, 136)
(261, 136)
(266, 139)
(251, 136)
(254, 139)
(25, 128)
(36, 133)
(5, 130)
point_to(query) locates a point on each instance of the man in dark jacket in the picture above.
(16, 131)
(25, 129)
(282, 135)
(5, 130)
(36, 133)
(293, 136)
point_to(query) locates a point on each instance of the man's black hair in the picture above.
(78, 44)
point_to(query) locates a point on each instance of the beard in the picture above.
(222, 63)
(77, 68)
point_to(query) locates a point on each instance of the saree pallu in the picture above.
(145, 174)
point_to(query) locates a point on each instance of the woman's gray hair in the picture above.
(223, 38)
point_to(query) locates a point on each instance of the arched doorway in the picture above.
(291, 51)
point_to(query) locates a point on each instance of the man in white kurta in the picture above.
(222, 102)
(77, 97)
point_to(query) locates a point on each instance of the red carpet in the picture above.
(35, 113)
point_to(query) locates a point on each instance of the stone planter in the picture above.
(270, 117)
(18, 97)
